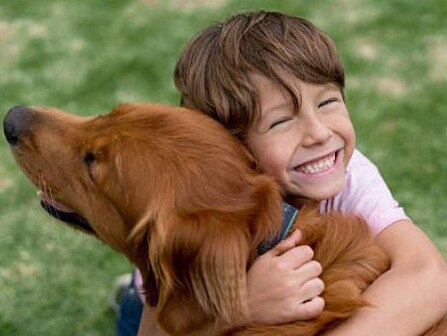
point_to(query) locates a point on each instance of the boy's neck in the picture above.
(296, 201)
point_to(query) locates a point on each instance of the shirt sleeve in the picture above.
(366, 194)
(138, 285)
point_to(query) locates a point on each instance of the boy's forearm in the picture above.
(411, 296)
(406, 300)
(402, 304)
(148, 323)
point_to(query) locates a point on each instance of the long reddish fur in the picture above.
(178, 195)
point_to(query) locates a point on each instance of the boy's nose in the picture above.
(316, 131)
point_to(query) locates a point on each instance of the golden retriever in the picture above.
(179, 196)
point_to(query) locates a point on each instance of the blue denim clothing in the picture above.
(130, 311)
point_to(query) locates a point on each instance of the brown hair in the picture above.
(214, 72)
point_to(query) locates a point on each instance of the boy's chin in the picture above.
(315, 192)
(328, 191)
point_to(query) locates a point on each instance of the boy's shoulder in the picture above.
(361, 173)
(359, 164)
(365, 194)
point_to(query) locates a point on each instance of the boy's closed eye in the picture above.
(328, 102)
(283, 119)
(280, 121)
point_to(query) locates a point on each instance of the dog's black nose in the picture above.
(14, 123)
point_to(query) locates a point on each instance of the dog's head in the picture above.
(88, 169)
(168, 187)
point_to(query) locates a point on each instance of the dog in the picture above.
(177, 194)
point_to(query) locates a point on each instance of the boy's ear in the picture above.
(202, 266)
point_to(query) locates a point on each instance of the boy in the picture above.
(276, 82)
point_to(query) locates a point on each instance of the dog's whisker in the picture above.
(46, 190)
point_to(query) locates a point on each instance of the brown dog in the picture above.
(177, 194)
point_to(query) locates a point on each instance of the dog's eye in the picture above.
(89, 158)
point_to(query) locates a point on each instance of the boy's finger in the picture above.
(310, 268)
(310, 309)
(311, 289)
(289, 243)
(297, 257)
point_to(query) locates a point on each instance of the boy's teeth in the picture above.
(318, 166)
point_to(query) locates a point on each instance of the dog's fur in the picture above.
(179, 196)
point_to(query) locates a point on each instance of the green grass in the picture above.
(87, 56)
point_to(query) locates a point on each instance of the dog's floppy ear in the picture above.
(200, 254)
(202, 259)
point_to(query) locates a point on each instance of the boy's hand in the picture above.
(283, 284)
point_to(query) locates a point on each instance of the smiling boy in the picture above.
(276, 82)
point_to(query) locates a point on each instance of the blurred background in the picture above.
(87, 56)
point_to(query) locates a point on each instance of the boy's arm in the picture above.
(406, 300)
(411, 296)
(148, 323)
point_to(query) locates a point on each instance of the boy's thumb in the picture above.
(287, 244)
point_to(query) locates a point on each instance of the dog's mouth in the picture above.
(64, 213)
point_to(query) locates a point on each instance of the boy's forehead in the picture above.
(275, 98)
(270, 93)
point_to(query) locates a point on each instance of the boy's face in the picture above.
(307, 152)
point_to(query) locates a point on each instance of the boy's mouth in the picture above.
(319, 165)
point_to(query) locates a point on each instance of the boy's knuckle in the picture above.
(317, 266)
(318, 306)
(307, 250)
(279, 265)
(290, 285)
(314, 268)
(319, 284)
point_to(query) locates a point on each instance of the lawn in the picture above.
(87, 56)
